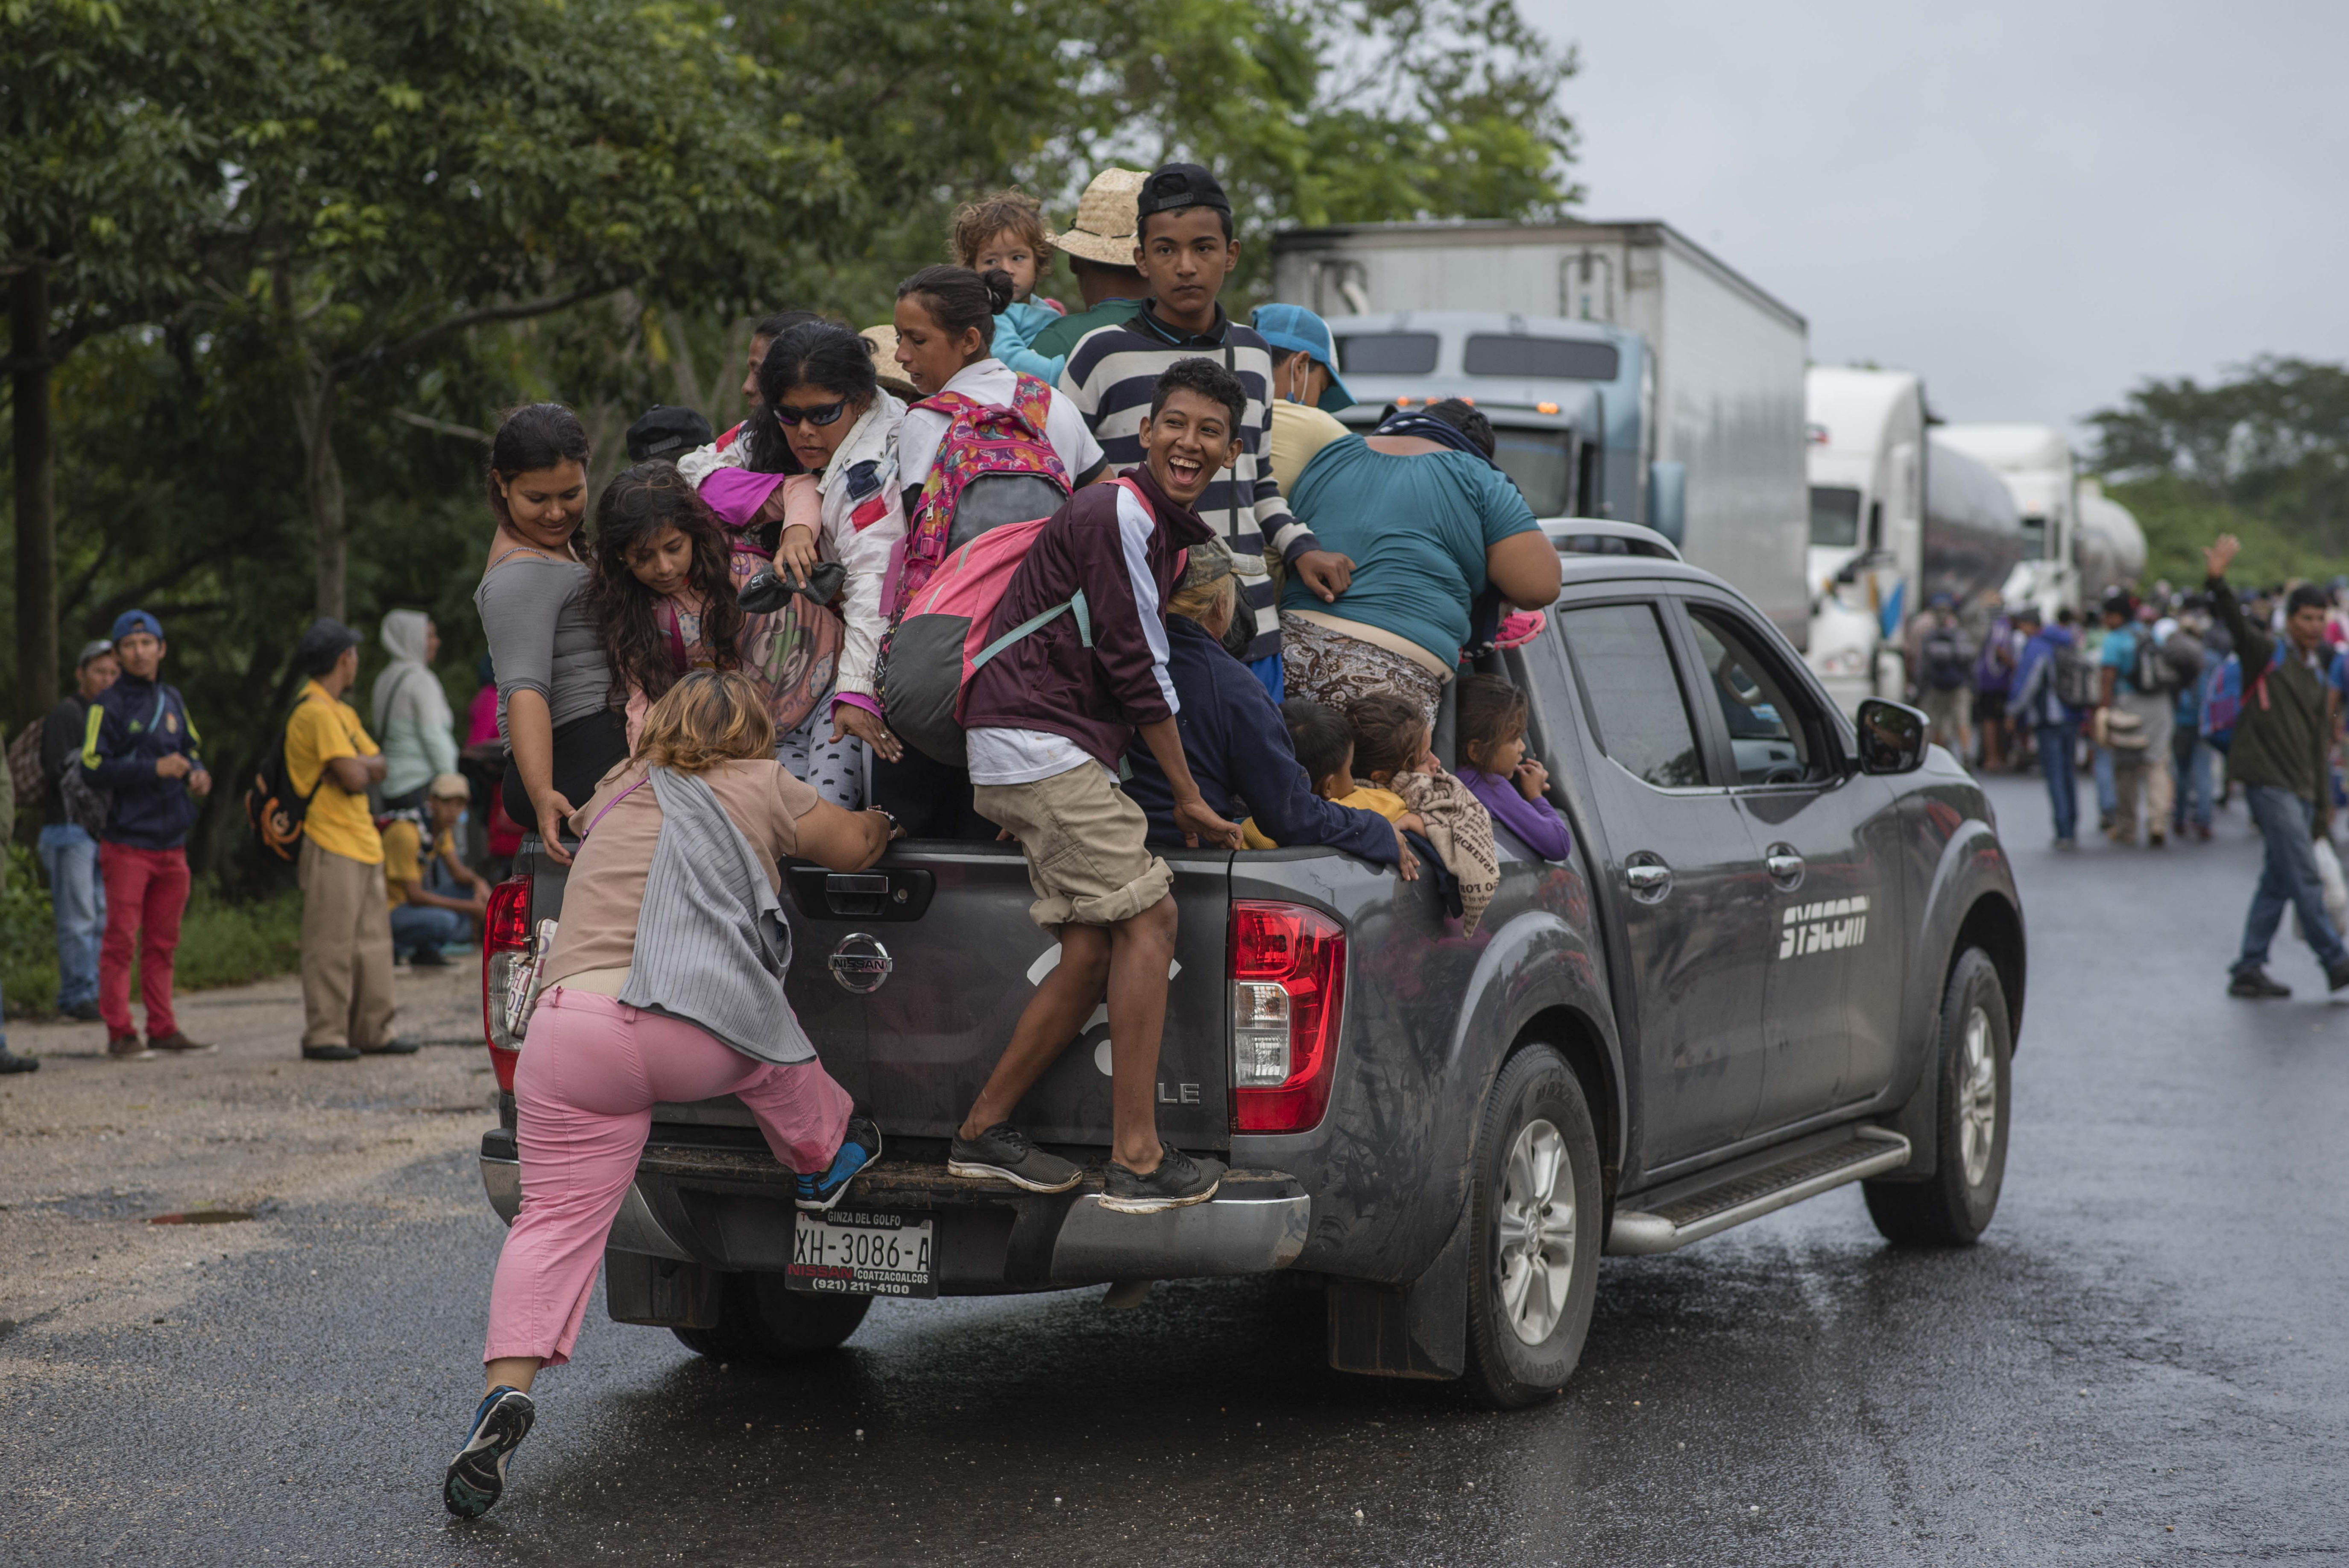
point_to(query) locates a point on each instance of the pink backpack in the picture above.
(940, 641)
(1005, 448)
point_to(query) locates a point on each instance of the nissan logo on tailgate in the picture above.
(861, 963)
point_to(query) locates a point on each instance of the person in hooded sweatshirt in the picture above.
(411, 712)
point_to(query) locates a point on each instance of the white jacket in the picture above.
(867, 551)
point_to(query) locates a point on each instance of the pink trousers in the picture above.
(589, 1076)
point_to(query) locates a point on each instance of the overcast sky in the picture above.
(2033, 205)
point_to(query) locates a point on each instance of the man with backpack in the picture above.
(2135, 715)
(330, 761)
(142, 777)
(2279, 752)
(1945, 668)
(2053, 685)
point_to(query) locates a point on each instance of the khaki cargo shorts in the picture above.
(1087, 844)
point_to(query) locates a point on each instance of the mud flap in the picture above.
(1919, 1122)
(660, 1293)
(1418, 1330)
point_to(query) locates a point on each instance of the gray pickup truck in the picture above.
(1787, 954)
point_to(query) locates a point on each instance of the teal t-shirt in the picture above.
(1417, 529)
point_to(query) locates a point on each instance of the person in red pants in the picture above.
(139, 755)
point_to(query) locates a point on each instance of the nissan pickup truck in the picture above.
(1786, 955)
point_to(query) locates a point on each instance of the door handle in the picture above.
(1649, 880)
(1786, 867)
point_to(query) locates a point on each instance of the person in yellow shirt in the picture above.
(435, 896)
(346, 922)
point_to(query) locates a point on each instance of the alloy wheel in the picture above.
(1534, 1262)
(1978, 1098)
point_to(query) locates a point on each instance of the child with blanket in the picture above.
(1390, 747)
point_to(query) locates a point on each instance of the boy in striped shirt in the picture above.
(1185, 250)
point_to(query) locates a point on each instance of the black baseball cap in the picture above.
(1179, 185)
(323, 643)
(665, 431)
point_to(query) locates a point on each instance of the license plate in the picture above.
(861, 1253)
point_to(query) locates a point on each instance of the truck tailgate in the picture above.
(962, 961)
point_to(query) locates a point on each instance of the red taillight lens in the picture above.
(1288, 979)
(505, 939)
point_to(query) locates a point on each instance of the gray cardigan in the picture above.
(711, 945)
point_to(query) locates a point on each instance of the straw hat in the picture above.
(881, 341)
(1105, 228)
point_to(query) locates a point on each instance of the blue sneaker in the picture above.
(477, 1476)
(858, 1149)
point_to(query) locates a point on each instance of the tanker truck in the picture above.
(2035, 464)
(2111, 550)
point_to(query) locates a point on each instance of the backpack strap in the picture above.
(1074, 603)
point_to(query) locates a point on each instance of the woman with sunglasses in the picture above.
(823, 411)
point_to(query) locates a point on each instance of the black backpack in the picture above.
(1943, 655)
(2077, 686)
(275, 809)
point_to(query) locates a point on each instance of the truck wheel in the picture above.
(1537, 1221)
(761, 1322)
(1953, 1206)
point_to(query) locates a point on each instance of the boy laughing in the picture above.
(1047, 720)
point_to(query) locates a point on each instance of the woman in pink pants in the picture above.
(672, 904)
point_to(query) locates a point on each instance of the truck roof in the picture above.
(1566, 231)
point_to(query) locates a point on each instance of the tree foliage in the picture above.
(2263, 453)
(316, 247)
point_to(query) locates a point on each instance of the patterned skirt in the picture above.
(1335, 669)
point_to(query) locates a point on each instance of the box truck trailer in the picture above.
(1628, 373)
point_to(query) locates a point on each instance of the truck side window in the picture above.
(1766, 729)
(1640, 713)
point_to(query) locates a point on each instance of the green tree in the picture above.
(2263, 453)
(106, 175)
(409, 172)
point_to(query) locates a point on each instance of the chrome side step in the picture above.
(1870, 1151)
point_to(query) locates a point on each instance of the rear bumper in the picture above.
(731, 1208)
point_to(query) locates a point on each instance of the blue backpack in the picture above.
(2223, 696)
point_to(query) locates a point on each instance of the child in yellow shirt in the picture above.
(1325, 748)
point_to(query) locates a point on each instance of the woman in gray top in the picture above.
(554, 685)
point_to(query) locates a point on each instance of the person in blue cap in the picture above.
(1305, 391)
(139, 755)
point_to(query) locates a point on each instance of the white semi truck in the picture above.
(1629, 374)
(1867, 455)
(2036, 464)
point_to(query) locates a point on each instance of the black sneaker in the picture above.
(83, 1012)
(858, 1149)
(392, 1047)
(330, 1053)
(428, 958)
(1178, 1180)
(2336, 975)
(11, 1063)
(477, 1476)
(2255, 984)
(1004, 1151)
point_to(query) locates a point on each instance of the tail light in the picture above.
(505, 943)
(1288, 977)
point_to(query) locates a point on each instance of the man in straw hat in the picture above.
(1100, 248)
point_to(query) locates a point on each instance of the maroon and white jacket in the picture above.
(1125, 553)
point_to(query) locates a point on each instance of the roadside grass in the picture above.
(222, 941)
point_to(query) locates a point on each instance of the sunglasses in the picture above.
(827, 415)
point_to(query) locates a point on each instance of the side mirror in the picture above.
(1891, 737)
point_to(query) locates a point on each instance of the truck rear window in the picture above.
(1387, 354)
(1539, 359)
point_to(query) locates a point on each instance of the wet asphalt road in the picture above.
(2142, 1362)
